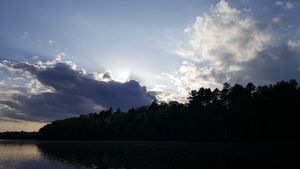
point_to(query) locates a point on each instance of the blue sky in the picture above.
(96, 33)
(141, 49)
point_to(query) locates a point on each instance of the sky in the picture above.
(60, 59)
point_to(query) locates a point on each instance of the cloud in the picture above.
(286, 5)
(278, 20)
(224, 35)
(226, 45)
(276, 63)
(221, 41)
(58, 89)
(190, 77)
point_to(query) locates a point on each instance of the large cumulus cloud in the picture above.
(227, 45)
(225, 37)
(63, 90)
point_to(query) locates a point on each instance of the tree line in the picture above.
(21, 135)
(234, 114)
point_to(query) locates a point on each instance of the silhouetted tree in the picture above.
(235, 113)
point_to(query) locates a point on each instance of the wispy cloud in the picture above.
(286, 5)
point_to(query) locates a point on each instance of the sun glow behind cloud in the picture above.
(123, 75)
(165, 53)
(62, 89)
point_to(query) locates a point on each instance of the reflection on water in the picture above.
(27, 155)
(107, 155)
(13, 155)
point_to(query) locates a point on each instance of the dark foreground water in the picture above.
(130, 155)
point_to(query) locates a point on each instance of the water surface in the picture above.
(134, 155)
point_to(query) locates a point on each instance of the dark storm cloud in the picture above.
(112, 93)
(51, 106)
(74, 92)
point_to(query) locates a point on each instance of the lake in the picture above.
(16, 154)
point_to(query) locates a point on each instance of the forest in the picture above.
(234, 114)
